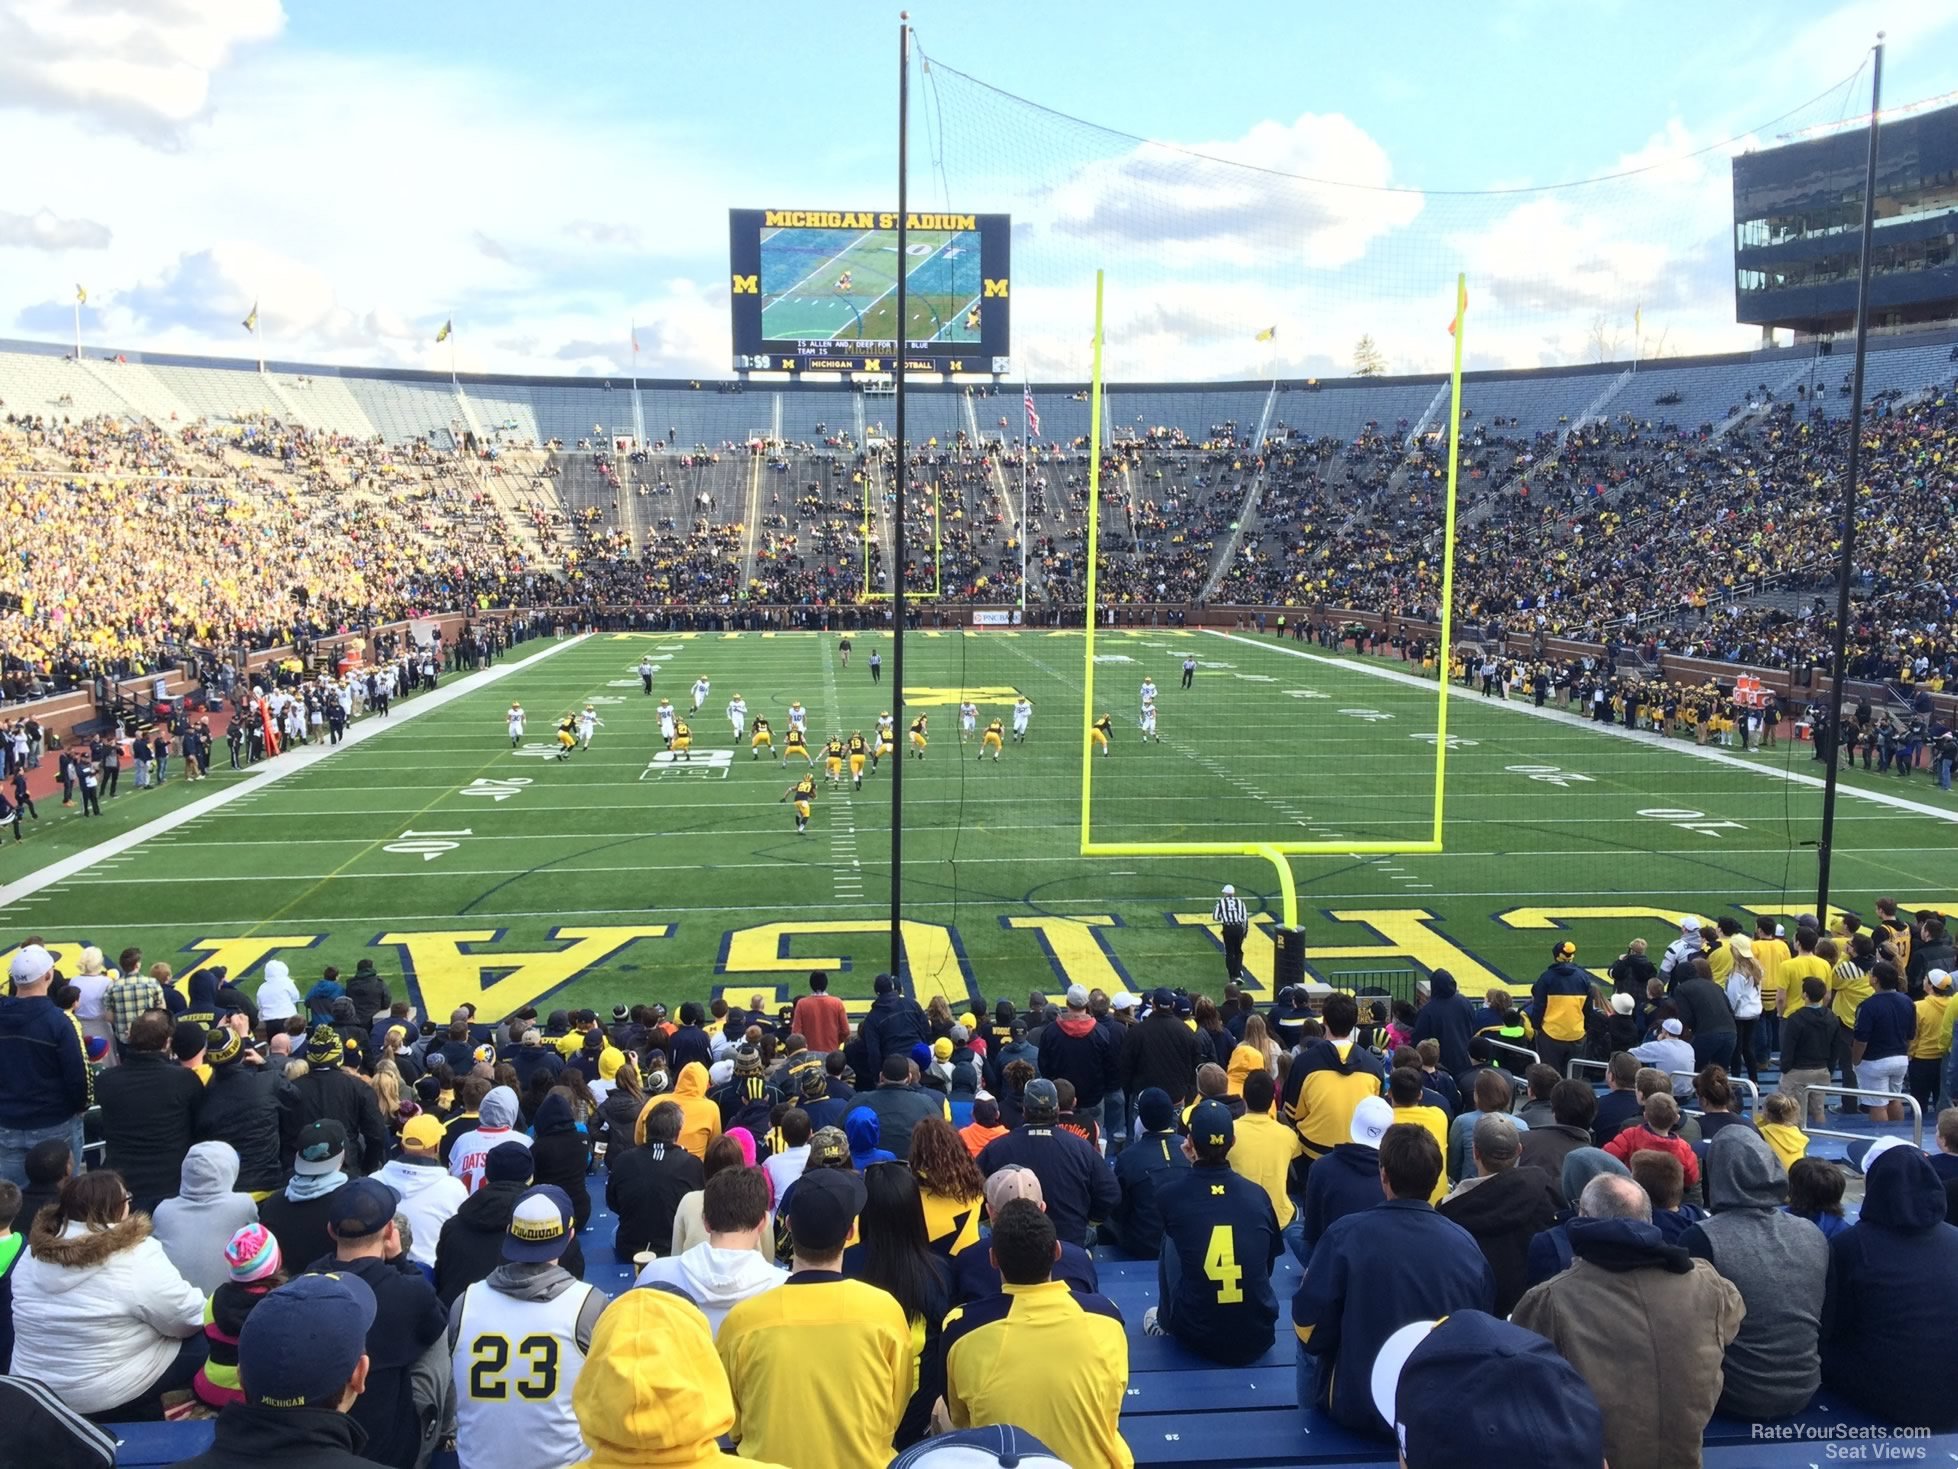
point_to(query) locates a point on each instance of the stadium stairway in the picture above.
(1182, 1409)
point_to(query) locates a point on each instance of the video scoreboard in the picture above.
(815, 290)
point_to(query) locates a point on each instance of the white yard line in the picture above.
(266, 775)
(1634, 736)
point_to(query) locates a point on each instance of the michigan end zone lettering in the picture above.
(844, 219)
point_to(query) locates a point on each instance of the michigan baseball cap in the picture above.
(823, 1209)
(1469, 1390)
(359, 1208)
(1040, 1099)
(301, 1343)
(1211, 1125)
(540, 1225)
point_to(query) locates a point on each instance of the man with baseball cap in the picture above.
(1470, 1390)
(43, 1072)
(795, 1353)
(1150, 1161)
(297, 1214)
(429, 1194)
(517, 1342)
(975, 1276)
(302, 1363)
(1160, 1051)
(407, 1346)
(1220, 1241)
(1077, 1181)
(1084, 1050)
(1559, 1001)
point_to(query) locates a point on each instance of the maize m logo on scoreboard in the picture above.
(816, 290)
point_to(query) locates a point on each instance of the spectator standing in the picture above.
(149, 1110)
(1930, 1047)
(1559, 1002)
(819, 1017)
(100, 1314)
(1152, 1159)
(731, 1264)
(899, 1105)
(1780, 1266)
(1645, 1324)
(249, 1106)
(1886, 1025)
(1330, 1077)
(1075, 1180)
(297, 1215)
(1346, 1308)
(195, 1225)
(131, 994)
(1808, 1041)
(518, 1341)
(1632, 971)
(327, 1093)
(429, 1194)
(277, 997)
(44, 1083)
(894, 1024)
(645, 1187)
(369, 993)
(1221, 1238)
(784, 1411)
(404, 1401)
(1001, 1352)
(1893, 1294)
(303, 1350)
(1504, 1206)
(1082, 1051)
(496, 1125)
(1160, 1051)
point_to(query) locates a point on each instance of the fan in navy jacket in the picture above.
(1078, 1184)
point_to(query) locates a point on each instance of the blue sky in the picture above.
(546, 174)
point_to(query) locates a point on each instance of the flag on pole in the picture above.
(635, 336)
(81, 295)
(1033, 415)
(447, 327)
(1268, 334)
(1461, 307)
(250, 323)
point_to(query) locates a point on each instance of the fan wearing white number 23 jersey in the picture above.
(517, 1342)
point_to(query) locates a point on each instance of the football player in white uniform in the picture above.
(737, 715)
(1022, 717)
(968, 720)
(516, 725)
(699, 694)
(1149, 723)
(666, 721)
(587, 726)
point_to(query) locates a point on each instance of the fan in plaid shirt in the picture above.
(130, 994)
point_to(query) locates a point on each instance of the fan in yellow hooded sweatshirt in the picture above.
(652, 1391)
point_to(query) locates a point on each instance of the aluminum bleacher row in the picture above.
(38, 378)
(1184, 1410)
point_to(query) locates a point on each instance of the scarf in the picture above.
(316, 1186)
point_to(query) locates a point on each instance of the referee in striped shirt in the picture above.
(1231, 916)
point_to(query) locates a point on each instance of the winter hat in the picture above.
(941, 1049)
(1155, 1109)
(507, 1163)
(226, 1046)
(499, 1108)
(252, 1254)
(324, 1048)
(189, 1040)
(747, 1061)
(620, 1014)
(720, 1073)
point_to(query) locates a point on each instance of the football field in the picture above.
(803, 274)
(503, 876)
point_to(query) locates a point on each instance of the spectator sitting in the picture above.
(1669, 1052)
(1550, 1251)
(1944, 1162)
(429, 1196)
(1658, 1132)
(1644, 1324)
(1780, 1267)
(48, 1165)
(700, 1119)
(1077, 1183)
(1503, 1206)
(734, 1261)
(949, 1186)
(1780, 1127)
(1347, 1179)
(1493, 1095)
(253, 1270)
(471, 1244)
(1716, 1097)
(1413, 1102)
(1330, 1077)
(1893, 1288)
(1573, 1108)
(784, 1165)
(1815, 1190)
(860, 1127)
(1151, 1159)
(1621, 1103)
(100, 1314)
(1664, 1182)
(730, 1150)
(1001, 1351)
(1345, 1308)
(984, 1126)
(195, 1226)
(1540, 1080)
(975, 1276)
(1265, 1151)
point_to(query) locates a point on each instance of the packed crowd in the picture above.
(354, 1235)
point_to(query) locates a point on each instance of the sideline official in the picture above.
(1234, 919)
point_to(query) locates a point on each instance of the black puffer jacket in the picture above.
(252, 1108)
(328, 1092)
(1160, 1050)
(471, 1243)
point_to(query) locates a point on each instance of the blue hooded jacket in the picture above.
(1448, 1019)
(1893, 1297)
(862, 1128)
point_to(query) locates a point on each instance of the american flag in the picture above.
(1033, 415)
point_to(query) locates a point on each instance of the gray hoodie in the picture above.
(1774, 1365)
(198, 1223)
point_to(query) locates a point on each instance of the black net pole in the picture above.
(1845, 569)
(903, 475)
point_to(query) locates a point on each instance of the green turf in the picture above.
(935, 306)
(598, 880)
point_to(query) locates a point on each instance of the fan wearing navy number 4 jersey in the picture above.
(1220, 1240)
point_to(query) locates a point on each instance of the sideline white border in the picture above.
(1616, 731)
(368, 728)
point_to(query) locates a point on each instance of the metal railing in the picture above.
(1748, 1089)
(1535, 1058)
(1803, 1093)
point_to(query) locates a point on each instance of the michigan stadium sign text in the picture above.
(838, 219)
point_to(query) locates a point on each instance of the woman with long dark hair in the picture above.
(949, 1186)
(894, 1254)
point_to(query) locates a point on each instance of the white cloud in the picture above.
(46, 230)
(606, 234)
(138, 66)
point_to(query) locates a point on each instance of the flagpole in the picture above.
(78, 326)
(1026, 389)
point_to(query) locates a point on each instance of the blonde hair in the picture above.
(387, 1087)
(1780, 1107)
(89, 962)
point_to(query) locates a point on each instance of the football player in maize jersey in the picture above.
(797, 743)
(763, 736)
(918, 737)
(833, 759)
(859, 748)
(994, 737)
(1221, 1239)
(682, 744)
(1102, 728)
(567, 739)
(804, 791)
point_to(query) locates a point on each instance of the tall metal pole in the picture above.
(903, 477)
(1839, 656)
